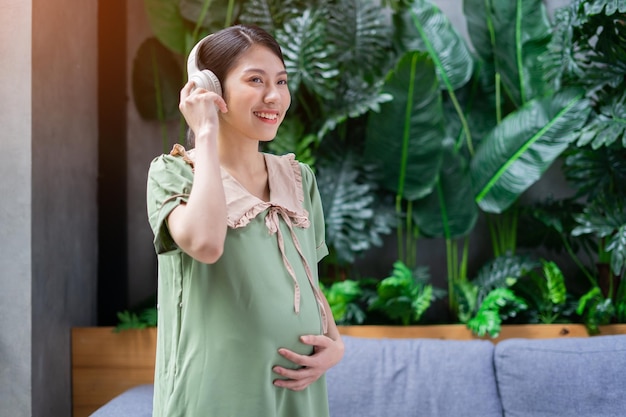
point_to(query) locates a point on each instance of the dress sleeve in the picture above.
(169, 183)
(316, 216)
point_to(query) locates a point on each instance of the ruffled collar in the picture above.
(285, 183)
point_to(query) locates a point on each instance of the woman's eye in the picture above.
(256, 80)
(283, 82)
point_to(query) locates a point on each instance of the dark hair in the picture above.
(220, 51)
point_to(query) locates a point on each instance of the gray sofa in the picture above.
(566, 377)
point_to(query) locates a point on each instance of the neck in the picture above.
(241, 157)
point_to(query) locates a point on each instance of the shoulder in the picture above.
(177, 162)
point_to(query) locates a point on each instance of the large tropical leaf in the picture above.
(588, 46)
(269, 14)
(523, 146)
(608, 126)
(361, 32)
(511, 35)
(156, 81)
(424, 27)
(167, 24)
(502, 272)
(406, 136)
(449, 211)
(308, 57)
(354, 98)
(212, 15)
(349, 199)
(607, 220)
(596, 172)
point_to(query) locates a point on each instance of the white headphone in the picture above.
(202, 79)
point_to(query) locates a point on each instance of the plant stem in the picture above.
(579, 264)
(203, 11)
(399, 228)
(159, 101)
(229, 13)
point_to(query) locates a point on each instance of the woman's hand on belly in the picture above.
(326, 354)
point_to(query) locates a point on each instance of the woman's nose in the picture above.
(272, 94)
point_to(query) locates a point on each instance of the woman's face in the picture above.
(257, 95)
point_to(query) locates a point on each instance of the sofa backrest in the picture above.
(414, 378)
(562, 377)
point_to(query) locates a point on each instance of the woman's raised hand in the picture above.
(200, 107)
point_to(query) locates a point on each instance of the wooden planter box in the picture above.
(461, 332)
(105, 363)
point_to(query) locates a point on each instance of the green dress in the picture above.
(220, 326)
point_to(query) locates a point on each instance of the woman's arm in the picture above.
(199, 226)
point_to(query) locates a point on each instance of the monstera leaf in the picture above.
(406, 136)
(523, 146)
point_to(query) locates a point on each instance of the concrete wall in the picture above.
(144, 144)
(48, 212)
(15, 207)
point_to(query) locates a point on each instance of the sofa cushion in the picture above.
(135, 402)
(414, 377)
(562, 377)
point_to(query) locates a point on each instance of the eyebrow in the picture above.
(284, 72)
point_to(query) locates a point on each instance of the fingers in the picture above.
(199, 95)
(296, 379)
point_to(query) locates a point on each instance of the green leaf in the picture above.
(596, 173)
(269, 14)
(156, 81)
(489, 317)
(340, 295)
(361, 32)
(128, 321)
(608, 126)
(404, 295)
(308, 55)
(208, 14)
(617, 247)
(449, 211)
(348, 196)
(555, 282)
(167, 24)
(406, 136)
(502, 272)
(466, 295)
(487, 322)
(424, 27)
(595, 309)
(523, 146)
(511, 35)
(422, 302)
(291, 139)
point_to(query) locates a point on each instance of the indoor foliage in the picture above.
(416, 132)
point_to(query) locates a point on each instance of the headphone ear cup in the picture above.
(208, 80)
